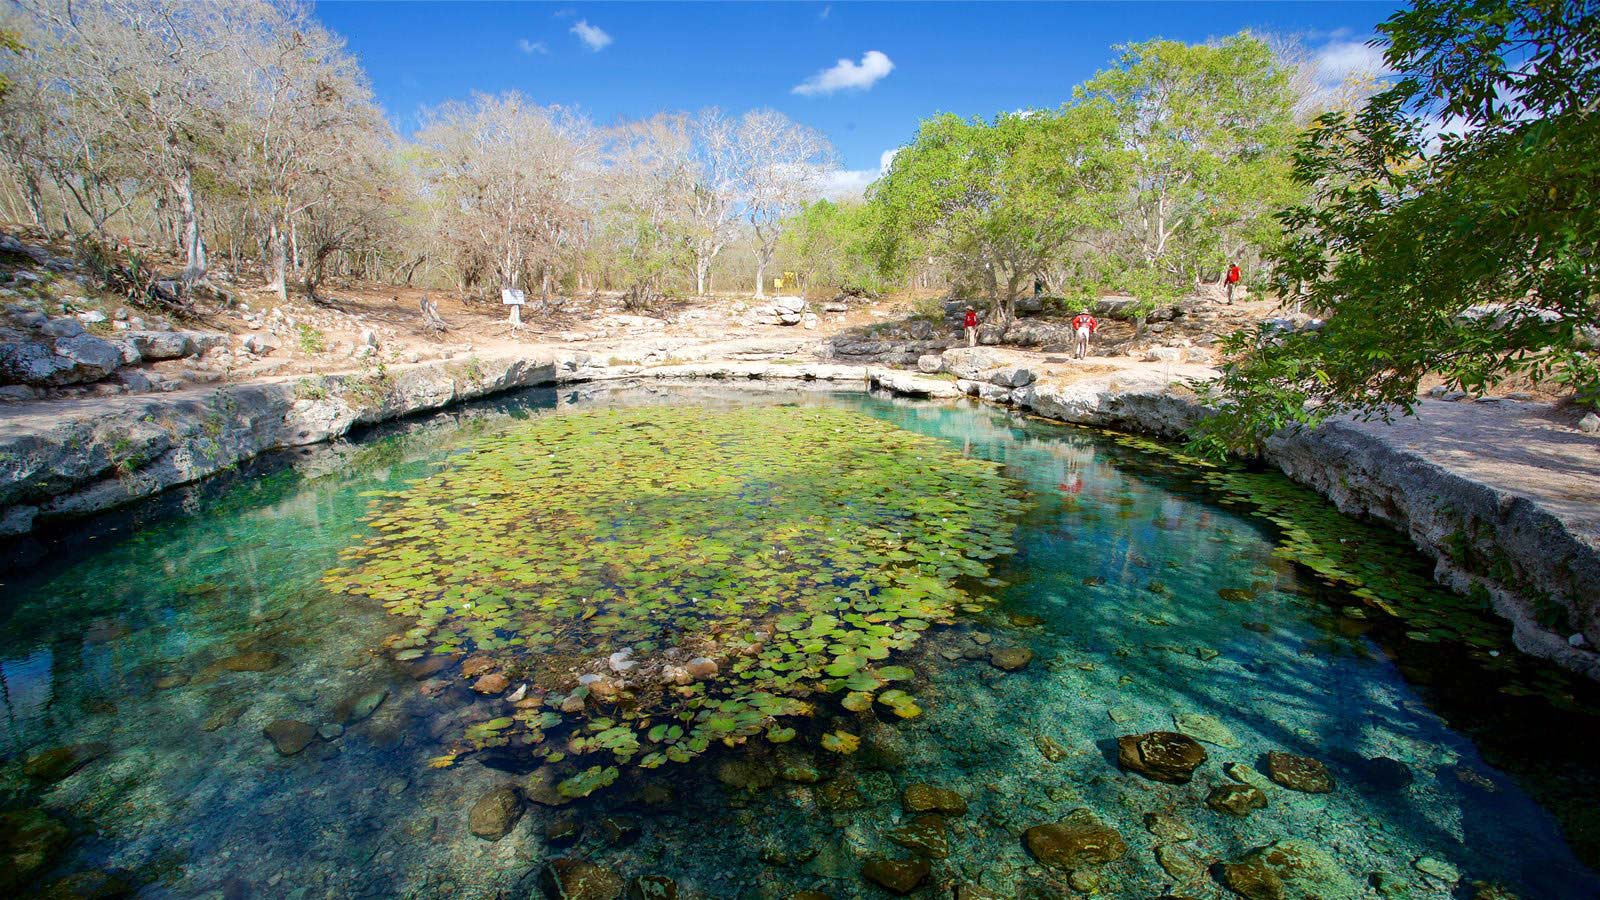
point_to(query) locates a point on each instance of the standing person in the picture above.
(1084, 325)
(970, 323)
(1233, 279)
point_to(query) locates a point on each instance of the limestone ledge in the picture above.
(65, 460)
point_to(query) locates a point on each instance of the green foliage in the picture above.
(798, 552)
(310, 339)
(1469, 253)
(829, 245)
(1203, 157)
(1002, 201)
(10, 42)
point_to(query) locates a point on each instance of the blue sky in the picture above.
(902, 61)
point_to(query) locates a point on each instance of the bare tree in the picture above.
(781, 166)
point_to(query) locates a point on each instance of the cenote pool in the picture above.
(768, 644)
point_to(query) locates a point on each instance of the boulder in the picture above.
(971, 362)
(262, 344)
(63, 328)
(1080, 839)
(1165, 756)
(92, 358)
(494, 814)
(929, 364)
(788, 304)
(983, 390)
(158, 345)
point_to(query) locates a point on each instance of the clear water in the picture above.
(107, 636)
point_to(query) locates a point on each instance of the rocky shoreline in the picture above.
(60, 461)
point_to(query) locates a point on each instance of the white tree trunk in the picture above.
(280, 262)
(194, 248)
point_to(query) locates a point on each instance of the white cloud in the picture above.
(851, 184)
(532, 47)
(1337, 61)
(824, 14)
(846, 75)
(592, 36)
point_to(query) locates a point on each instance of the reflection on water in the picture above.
(141, 663)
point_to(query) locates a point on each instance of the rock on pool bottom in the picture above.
(148, 675)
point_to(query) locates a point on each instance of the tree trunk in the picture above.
(280, 262)
(192, 244)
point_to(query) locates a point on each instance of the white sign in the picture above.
(513, 296)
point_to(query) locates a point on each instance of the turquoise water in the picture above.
(116, 636)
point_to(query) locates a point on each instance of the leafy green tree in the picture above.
(828, 244)
(1452, 229)
(1205, 131)
(1002, 200)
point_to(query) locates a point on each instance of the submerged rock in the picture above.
(1386, 774)
(564, 830)
(1289, 870)
(1080, 839)
(1168, 827)
(492, 683)
(255, 661)
(1236, 799)
(495, 813)
(30, 841)
(1010, 659)
(652, 887)
(619, 831)
(1161, 755)
(289, 736)
(1299, 773)
(925, 798)
(745, 774)
(579, 879)
(925, 834)
(57, 763)
(1179, 863)
(353, 709)
(897, 876)
(1205, 728)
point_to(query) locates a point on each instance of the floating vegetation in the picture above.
(663, 580)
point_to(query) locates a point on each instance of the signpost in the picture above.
(514, 298)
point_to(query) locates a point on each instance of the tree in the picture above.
(1452, 226)
(781, 164)
(510, 179)
(155, 76)
(1205, 131)
(1004, 199)
(714, 189)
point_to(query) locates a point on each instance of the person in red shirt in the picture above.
(970, 323)
(1083, 326)
(1233, 279)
